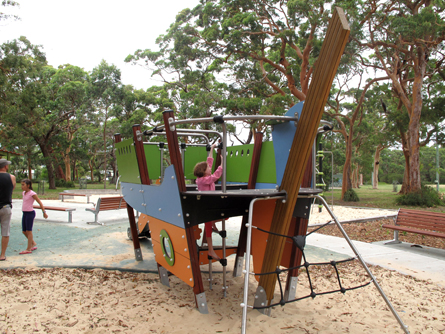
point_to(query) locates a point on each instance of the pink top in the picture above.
(208, 182)
(28, 200)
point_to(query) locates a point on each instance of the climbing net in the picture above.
(300, 242)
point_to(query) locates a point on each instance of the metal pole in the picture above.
(362, 261)
(224, 158)
(224, 256)
(246, 270)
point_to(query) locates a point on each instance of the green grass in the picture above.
(54, 193)
(384, 197)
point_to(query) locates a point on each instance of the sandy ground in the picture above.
(97, 301)
(344, 213)
(79, 301)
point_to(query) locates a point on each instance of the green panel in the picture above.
(267, 172)
(153, 159)
(127, 164)
(193, 155)
(239, 159)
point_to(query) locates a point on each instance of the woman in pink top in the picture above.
(206, 181)
(29, 214)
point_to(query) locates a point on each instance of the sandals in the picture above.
(25, 252)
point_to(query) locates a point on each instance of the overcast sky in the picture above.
(83, 32)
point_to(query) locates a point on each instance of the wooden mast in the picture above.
(325, 70)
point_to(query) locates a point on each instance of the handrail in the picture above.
(220, 119)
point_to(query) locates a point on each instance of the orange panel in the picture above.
(262, 217)
(177, 235)
(142, 221)
(182, 267)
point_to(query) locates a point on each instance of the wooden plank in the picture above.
(412, 230)
(54, 208)
(325, 70)
(140, 154)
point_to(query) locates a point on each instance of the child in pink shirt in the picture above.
(29, 214)
(206, 181)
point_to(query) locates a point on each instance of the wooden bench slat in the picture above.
(404, 229)
(54, 208)
(71, 194)
(58, 208)
(420, 222)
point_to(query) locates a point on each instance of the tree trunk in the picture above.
(375, 172)
(411, 182)
(49, 166)
(406, 174)
(29, 167)
(346, 183)
(90, 164)
(354, 178)
(67, 166)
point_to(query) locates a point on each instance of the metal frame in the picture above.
(345, 235)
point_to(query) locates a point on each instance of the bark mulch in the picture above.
(372, 231)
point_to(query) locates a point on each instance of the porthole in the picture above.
(167, 248)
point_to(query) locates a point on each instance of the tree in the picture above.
(106, 92)
(406, 40)
(247, 42)
(69, 87)
(348, 116)
(6, 3)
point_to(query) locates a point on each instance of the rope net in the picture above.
(300, 242)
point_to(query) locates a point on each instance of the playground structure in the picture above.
(269, 184)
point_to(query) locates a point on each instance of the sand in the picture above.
(96, 301)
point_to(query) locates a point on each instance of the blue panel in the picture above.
(265, 186)
(162, 202)
(283, 135)
(133, 196)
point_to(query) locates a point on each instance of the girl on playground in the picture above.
(206, 181)
(29, 196)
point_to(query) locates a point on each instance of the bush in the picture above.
(69, 184)
(426, 197)
(351, 196)
(60, 183)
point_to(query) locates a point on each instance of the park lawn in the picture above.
(384, 198)
(54, 193)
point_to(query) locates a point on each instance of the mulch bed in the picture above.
(372, 231)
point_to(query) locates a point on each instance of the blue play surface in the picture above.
(61, 245)
(106, 247)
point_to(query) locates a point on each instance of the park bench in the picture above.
(57, 208)
(106, 204)
(73, 194)
(420, 222)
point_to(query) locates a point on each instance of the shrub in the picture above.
(69, 184)
(351, 196)
(425, 197)
(60, 183)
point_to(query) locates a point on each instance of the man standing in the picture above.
(7, 185)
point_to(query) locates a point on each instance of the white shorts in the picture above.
(5, 220)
